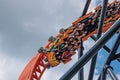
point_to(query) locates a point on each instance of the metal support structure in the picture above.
(92, 52)
(109, 71)
(105, 47)
(113, 51)
(103, 76)
(80, 54)
(99, 33)
(86, 7)
(117, 56)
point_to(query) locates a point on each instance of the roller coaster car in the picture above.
(61, 40)
(77, 47)
(48, 45)
(70, 30)
(52, 59)
(65, 35)
(56, 44)
(82, 18)
(42, 56)
(51, 41)
(51, 56)
(67, 60)
(98, 7)
(114, 2)
(51, 44)
(107, 20)
(67, 56)
(116, 17)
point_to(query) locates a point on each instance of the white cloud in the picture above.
(2, 72)
(10, 68)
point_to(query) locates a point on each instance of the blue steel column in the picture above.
(92, 52)
(99, 33)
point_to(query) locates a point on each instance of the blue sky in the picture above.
(25, 26)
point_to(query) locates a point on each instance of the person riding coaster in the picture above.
(64, 54)
(66, 57)
(49, 56)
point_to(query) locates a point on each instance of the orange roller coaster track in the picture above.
(34, 69)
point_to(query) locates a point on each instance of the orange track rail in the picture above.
(35, 68)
